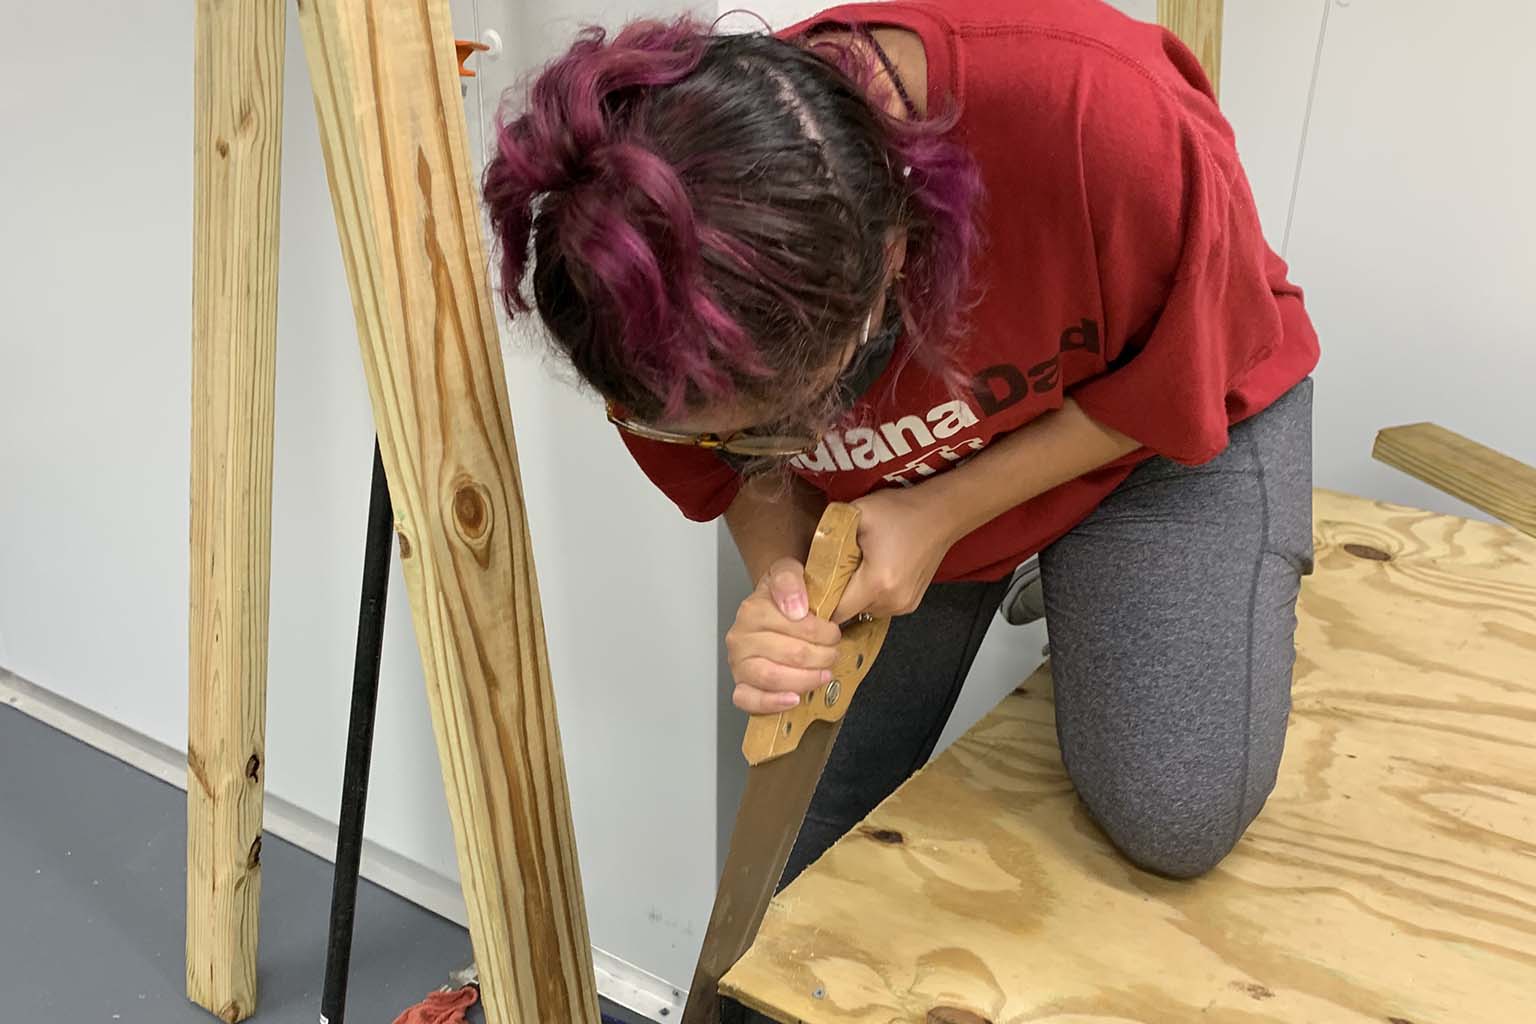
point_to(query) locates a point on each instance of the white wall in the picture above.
(1415, 231)
(95, 277)
(94, 272)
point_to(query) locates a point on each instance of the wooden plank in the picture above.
(1198, 23)
(237, 140)
(1391, 877)
(392, 125)
(1478, 475)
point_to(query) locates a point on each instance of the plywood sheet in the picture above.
(1391, 878)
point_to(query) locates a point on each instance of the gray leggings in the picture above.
(1171, 612)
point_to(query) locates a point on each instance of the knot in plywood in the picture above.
(889, 836)
(954, 1015)
(1367, 552)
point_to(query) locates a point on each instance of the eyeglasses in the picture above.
(744, 442)
(737, 442)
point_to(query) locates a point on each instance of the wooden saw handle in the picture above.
(830, 565)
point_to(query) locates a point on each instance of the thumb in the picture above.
(857, 596)
(786, 585)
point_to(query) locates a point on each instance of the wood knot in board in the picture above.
(883, 835)
(405, 542)
(1253, 989)
(253, 859)
(198, 771)
(471, 509)
(954, 1015)
(1398, 1020)
(473, 516)
(1367, 552)
(253, 768)
(222, 147)
(232, 1013)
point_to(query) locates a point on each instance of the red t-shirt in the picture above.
(1125, 267)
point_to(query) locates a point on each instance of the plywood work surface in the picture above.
(1391, 879)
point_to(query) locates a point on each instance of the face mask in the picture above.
(872, 358)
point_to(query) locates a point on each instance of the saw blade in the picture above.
(777, 794)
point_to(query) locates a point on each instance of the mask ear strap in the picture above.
(872, 360)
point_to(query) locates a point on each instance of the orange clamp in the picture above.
(467, 49)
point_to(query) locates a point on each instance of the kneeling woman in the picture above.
(993, 273)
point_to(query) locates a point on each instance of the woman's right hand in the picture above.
(777, 649)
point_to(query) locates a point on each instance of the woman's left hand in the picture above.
(904, 536)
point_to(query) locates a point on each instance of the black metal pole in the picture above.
(354, 785)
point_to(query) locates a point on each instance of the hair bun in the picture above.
(623, 234)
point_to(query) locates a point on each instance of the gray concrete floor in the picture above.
(92, 897)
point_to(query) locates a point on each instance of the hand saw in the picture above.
(787, 752)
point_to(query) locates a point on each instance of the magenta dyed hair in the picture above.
(705, 215)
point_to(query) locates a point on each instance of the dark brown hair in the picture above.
(705, 215)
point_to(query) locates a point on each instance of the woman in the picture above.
(992, 272)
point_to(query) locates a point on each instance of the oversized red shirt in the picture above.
(1124, 267)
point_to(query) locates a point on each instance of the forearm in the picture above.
(774, 517)
(1044, 453)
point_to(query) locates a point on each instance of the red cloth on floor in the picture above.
(441, 1007)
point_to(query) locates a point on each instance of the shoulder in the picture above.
(1048, 49)
(1078, 80)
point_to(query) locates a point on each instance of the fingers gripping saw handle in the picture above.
(830, 565)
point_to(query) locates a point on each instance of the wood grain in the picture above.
(1198, 23)
(237, 100)
(1462, 468)
(392, 127)
(1391, 877)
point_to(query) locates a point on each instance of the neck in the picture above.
(905, 49)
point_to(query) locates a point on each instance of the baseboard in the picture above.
(617, 980)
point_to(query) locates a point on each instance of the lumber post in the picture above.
(238, 96)
(392, 127)
(1486, 479)
(1198, 23)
